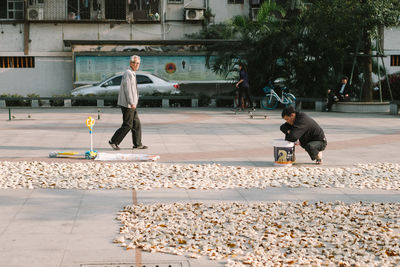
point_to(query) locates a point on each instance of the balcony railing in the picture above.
(81, 10)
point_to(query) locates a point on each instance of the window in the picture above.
(395, 60)
(115, 9)
(78, 9)
(12, 9)
(143, 79)
(17, 62)
(145, 10)
(175, 1)
(116, 81)
(35, 2)
(235, 1)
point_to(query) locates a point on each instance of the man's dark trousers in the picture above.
(314, 147)
(130, 122)
(245, 94)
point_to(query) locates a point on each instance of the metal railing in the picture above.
(81, 10)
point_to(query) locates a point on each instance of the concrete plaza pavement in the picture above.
(47, 227)
(189, 135)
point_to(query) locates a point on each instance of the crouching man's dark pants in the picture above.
(314, 147)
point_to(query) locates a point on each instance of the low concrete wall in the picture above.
(362, 107)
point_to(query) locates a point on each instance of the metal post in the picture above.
(387, 80)
(9, 114)
(379, 54)
(79, 9)
(98, 114)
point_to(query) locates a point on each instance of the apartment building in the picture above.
(48, 47)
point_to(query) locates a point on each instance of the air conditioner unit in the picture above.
(255, 2)
(194, 14)
(35, 13)
(254, 13)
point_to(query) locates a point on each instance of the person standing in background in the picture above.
(243, 86)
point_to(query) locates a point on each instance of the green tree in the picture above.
(337, 29)
(258, 44)
(326, 43)
(311, 48)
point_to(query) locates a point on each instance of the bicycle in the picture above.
(272, 99)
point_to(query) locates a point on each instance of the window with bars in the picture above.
(35, 2)
(11, 9)
(235, 1)
(17, 62)
(78, 9)
(145, 9)
(395, 60)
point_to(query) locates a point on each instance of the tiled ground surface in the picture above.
(74, 227)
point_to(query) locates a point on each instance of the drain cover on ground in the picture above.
(133, 264)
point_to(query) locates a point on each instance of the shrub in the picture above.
(17, 102)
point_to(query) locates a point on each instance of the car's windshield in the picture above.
(113, 81)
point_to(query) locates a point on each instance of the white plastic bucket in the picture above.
(283, 152)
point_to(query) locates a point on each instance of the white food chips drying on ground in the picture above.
(268, 234)
(148, 175)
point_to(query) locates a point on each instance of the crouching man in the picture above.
(302, 129)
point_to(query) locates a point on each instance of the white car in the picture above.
(147, 84)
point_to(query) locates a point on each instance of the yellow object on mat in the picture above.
(65, 154)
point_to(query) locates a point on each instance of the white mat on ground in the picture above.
(120, 156)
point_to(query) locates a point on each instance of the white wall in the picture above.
(224, 11)
(177, 31)
(46, 38)
(392, 47)
(11, 40)
(51, 76)
(174, 11)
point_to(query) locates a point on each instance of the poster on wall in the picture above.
(91, 69)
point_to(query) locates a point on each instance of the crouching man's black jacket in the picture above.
(304, 129)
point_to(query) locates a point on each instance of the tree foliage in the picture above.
(311, 50)
(346, 28)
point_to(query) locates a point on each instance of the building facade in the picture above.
(49, 47)
(34, 57)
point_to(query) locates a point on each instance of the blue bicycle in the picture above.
(272, 99)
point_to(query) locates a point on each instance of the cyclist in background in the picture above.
(243, 86)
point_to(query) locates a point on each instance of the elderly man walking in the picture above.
(128, 98)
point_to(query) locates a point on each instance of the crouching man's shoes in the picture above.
(319, 159)
(114, 146)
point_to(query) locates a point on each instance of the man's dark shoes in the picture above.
(114, 146)
(140, 147)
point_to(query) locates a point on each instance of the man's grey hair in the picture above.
(133, 58)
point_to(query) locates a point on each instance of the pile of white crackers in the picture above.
(146, 176)
(268, 234)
